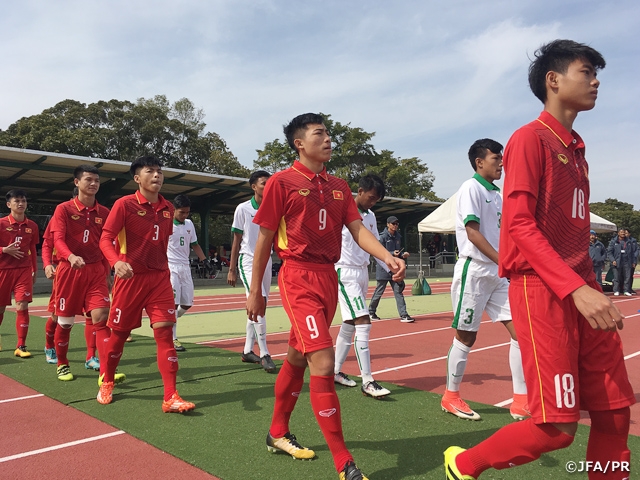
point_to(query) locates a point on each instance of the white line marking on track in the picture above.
(21, 398)
(631, 355)
(503, 403)
(58, 447)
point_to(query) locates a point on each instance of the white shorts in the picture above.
(245, 269)
(477, 288)
(352, 292)
(182, 284)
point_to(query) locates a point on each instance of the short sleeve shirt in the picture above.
(352, 255)
(307, 212)
(243, 224)
(180, 242)
(479, 201)
(26, 234)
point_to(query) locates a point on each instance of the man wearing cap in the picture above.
(598, 254)
(392, 240)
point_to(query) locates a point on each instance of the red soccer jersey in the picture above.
(141, 231)
(77, 230)
(307, 212)
(49, 254)
(26, 233)
(545, 214)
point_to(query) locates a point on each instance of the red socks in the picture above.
(102, 338)
(22, 326)
(608, 443)
(89, 337)
(62, 343)
(49, 332)
(515, 444)
(287, 390)
(326, 408)
(167, 359)
(112, 353)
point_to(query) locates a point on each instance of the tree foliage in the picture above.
(620, 213)
(354, 156)
(124, 130)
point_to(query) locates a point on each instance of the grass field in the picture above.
(401, 437)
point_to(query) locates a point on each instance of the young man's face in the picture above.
(17, 205)
(490, 167)
(621, 234)
(393, 227)
(577, 89)
(88, 183)
(150, 178)
(181, 214)
(258, 187)
(366, 200)
(315, 143)
(592, 237)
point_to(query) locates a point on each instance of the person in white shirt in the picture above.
(353, 283)
(245, 236)
(181, 242)
(476, 286)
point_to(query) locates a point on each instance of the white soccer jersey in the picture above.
(180, 242)
(352, 255)
(479, 201)
(243, 224)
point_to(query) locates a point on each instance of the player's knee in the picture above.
(569, 429)
(467, 338)
(66, 322)
(364, 320)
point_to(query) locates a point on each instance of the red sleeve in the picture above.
(272, 207)
(113, 226)
(34, 241)
(47, 247)
(351, 212)
(58, 231)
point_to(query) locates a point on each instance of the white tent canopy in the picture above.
(443, 220)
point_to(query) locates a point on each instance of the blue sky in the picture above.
(428, 77)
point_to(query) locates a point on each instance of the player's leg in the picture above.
(180, 311)
(98, 317)
(23, 292)
(401, 305)
(245, 265)
(381, 286)
(62, 336)
(91, 360)
(351, 305)
(260, 326)
(50, 328)
(607, 445)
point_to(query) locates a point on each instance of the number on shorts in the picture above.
(117, 318)
(156, 232)
(62, 303)
(469, 318)
(313, 328)
(565, 394)
(322, 218)
(85, 236)
(359, 303)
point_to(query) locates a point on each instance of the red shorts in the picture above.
(309, 293)
(52, 299)
(568, 366)
(80, 290)
(18, 281)
(149, 291)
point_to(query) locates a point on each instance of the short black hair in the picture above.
(15, 193)
(80, 169)
(181, 201)
(257, 175)
(298, 124)
(556, 56)
(373, 182)
(144, 161)
(480, 148)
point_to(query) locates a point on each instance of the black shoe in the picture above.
(373, 316)
(407, 319)
(250, 358)
(268, 364)
(351, 472)
(178, 346)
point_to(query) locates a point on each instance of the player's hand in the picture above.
(405, 254)
(596, 307)
(33, 278)
(49, 271)
(123, 269)
(13, 249)
(76, 261)
(614, 263)
(396, 253)
(398, 268)
(255, 306)
(232, 277)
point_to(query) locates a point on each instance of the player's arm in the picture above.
(35, 238)
(255, 301)
(63, 250)
(232, 276)
(365, 240)
(113, 226)
(198, 251)
(479, 240)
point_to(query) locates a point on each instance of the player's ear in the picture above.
(552, 79)
(136, 178)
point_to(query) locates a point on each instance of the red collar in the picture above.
(13, 221)
(567, 138)
(81, 206)
(300, 168)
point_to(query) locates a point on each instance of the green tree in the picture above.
(620, 213)
(354, 156)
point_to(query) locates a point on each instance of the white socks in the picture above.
(361, 346)
(179, 312)
(257, 331)
(343, 344)
(456, 364)
(517, 373)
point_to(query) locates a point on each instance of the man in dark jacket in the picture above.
(598, 254)
(621, 253)
(392, 241)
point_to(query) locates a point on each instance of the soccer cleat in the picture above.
(290, 445)
(117, 378)
(92, 364)
(519, 408)
(268, 364)
(105, 394)
(22, 352)
(250, 358)
(343, 379)
(450, 468)
(178, 346)
(50, 354)
(458, 407)
(64, 373)
(373, 316)
(351, 472)
(407, 319)
(129, 339)
(177, 405)
(374, 389)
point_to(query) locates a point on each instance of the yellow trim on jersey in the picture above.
(553, 131)
(294, 323)
(283, 241)
(122, 241)
(535, 355)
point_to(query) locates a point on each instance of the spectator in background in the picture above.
(433, 250)
(620, 254)
(634, 259)
(598, 254)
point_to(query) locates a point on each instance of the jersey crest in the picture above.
(166, 214)
(338, 195)
(304, 192)
(75, 217)
(142, 213)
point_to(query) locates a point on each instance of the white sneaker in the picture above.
(617, 294)
(343, 379)
(375, 390)
(627, 294)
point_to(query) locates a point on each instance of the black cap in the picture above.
(392, 219)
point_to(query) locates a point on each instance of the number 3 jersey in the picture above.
(545, 215)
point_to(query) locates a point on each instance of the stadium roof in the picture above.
(46, 177)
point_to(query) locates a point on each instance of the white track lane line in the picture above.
(16, 399)
(58, 447)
